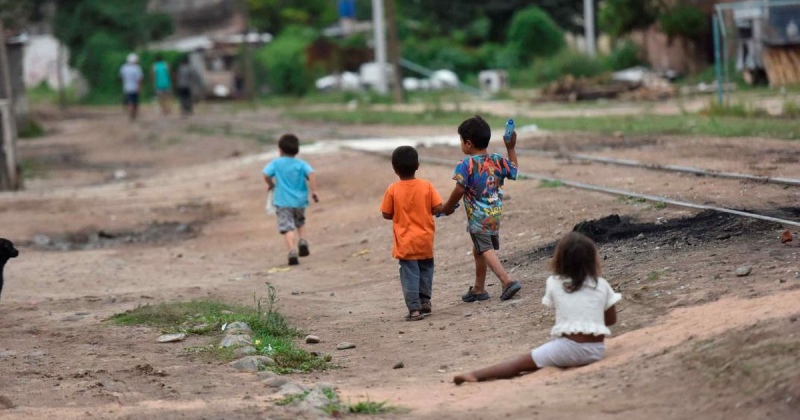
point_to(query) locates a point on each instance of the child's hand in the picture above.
(315, 197)
(512, 142)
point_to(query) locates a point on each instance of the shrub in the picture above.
(567, 63)
(534, 34)
(683, 20)
(443, 53)
(624, 56)
(285, 65)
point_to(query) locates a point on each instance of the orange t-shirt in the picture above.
(411, 203)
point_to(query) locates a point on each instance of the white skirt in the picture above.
(563, 352)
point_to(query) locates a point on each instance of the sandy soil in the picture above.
(693, 341)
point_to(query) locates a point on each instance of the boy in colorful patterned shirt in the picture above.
(479, 180)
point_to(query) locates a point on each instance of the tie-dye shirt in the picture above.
(482, 177)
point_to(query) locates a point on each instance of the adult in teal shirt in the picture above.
(163, 83)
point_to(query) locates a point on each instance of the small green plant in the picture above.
(791, 109)
(739, 110)
(653, 276)
(289, 399)
(632, 200)
(31, 129)
(659, 205)
(368, 407)
(546, 183)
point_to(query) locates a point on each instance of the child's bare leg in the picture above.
(291, 240)
(301, 232)
(493, 262)
(503, 370)
(480, 272)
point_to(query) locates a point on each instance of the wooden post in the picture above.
(9, 180)
(249, 77)
(394, 51)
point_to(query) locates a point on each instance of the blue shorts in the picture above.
(131, 99)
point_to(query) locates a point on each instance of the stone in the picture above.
(276, 382)
(238, 327)
(42, 240)
(640, 237)
(399, 365)
(171, 338)
(312, 339)
(245, 351)
(743, 271)
(793, 319)
(317, 400)
(266, 375)
(236, 341)
(251, 363)
(291, 388)
(73, 318)
(345, 346)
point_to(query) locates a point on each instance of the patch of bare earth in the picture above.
(693, 339)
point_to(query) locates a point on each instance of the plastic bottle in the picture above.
(509, 130)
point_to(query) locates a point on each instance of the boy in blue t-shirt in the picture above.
(479, 180)
(291, 179)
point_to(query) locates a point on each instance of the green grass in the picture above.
(31, 130)
(686, 124)
(660, 205)
(272, 335)
(631, 200)
(550, 184)
(371, 408)
(32, 168)
(292, 398)
(653, 276)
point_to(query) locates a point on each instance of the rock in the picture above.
(640, 237)
(743, 271)
(183, 228)
(291, 388)
(251, 363)
(266, 375)
(468, 314)
(399, 365)
(345, 345)
(42, 240)
(236, 341)
(245, 351)
(793, 319)
(73, 318)
(238, 327)
(276, 382)
(171, 338)
(312, 339)
(317, 400)
(786, 237)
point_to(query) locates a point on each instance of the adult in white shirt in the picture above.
(131, 75)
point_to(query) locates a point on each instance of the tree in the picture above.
(533, 33)
(275, 15)
(99, 33)
(620, 17)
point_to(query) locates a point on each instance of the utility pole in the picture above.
(394, 52)
(9, 175)
(588, 26)
(378, 26)
(249, 81)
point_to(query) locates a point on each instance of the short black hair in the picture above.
(405, 161)
(289, 144)
(476, 130)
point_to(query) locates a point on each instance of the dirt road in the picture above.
(180, 205)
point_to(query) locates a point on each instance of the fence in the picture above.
(9, 172)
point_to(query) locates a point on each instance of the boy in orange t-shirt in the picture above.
(410, 204)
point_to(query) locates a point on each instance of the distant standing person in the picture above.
(163, 83)
(131, 75)
(183, 83)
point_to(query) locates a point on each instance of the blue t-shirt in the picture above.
(482, 177)
(291, 188)
(161, 72)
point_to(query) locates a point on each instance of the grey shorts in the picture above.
(484, 242)
(290, 218)
(563, 352)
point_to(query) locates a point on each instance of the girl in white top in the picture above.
(584, 304)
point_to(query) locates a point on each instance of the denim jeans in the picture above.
(416, 277)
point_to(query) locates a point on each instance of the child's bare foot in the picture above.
(468, 377)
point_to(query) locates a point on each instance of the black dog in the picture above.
(7, 252)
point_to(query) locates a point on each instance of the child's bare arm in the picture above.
(510, 147)
(312, 180)
(270, 183)
(456, 195)
(610, 316)
(438, 209)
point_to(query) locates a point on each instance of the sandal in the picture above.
(510, 290)
(426, 308)
(472, 297)
(419, 317)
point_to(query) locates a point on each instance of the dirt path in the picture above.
(683, 305)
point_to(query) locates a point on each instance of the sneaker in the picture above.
(510, 290)
(474, 297)
(426, 308)
(303, 248)
(293, 258)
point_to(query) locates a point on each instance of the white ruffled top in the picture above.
(580, 312)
